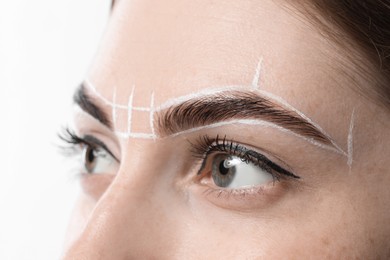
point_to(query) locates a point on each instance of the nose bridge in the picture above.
(131, 218)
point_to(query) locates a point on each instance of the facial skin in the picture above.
(153, 204)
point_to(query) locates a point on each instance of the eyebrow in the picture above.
(211, 109)
(231, 105)
(89, 105)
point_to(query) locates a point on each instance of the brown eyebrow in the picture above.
(232, 105)
(90, 106)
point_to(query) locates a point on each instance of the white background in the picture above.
(46, 47)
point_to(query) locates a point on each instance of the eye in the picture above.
(233, 166)
(233, 172)
(97, 160)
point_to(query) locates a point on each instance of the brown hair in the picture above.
(367, 25)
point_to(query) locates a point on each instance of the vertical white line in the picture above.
(151, 114)
(350, 140)
(256, 77)
(114, 108)
(130, 110)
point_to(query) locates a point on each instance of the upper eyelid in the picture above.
(91, 140)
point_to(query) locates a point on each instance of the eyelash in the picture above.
(69, 137)
(75, 142)
(206, 146)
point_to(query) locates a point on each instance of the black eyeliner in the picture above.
(89, 139)
(263, 160)
(206, 146)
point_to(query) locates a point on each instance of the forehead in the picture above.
(173, 48)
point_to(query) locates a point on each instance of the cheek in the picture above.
(332, 225)
(327, 226)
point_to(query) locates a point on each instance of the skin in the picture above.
(153, 205)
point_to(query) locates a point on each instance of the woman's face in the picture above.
(227, 129)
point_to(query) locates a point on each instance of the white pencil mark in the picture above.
(350, 140)
(114, 109)
(89, 84)
(256, 78)
(130, 110)
(125, 135)
(142, 136)
(151, 114)
(142, 109)
(256, 122)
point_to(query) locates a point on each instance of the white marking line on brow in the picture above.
(255, 122)
(130, 110)
(350, 140)
(142, 109)
(256, 78)
(134, 135)
(89, 84)
(114, 109)
(151, 114)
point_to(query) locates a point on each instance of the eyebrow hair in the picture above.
(231, 105)
(89, 105)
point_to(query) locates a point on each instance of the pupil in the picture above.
(90, 155)
(222, 168)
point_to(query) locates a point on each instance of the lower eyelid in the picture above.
(243, 200)
(95, 185)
